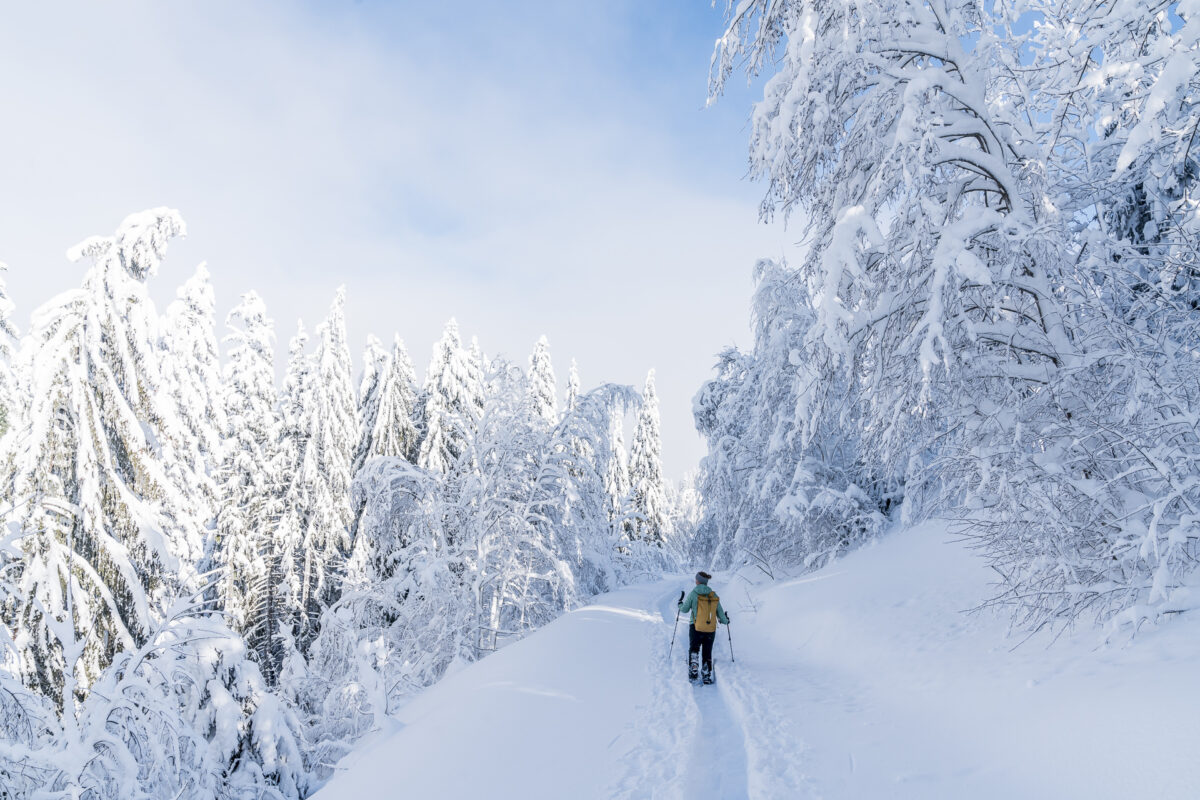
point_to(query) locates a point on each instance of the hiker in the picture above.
(706, 610)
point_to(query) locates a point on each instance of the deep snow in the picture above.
(863, 680)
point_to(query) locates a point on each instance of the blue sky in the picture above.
(529, 168)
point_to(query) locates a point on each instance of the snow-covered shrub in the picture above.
(1093, 509)
(185, 716)
(29, 740)
(786, 481)
(406, 614)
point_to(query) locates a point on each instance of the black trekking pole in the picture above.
(675, 629)
(730, 635)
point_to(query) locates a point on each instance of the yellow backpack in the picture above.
(706, 612)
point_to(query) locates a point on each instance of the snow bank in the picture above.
(863, 680)
(547, 717)
(902, 694)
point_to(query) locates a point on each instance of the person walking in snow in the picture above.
(706, 611)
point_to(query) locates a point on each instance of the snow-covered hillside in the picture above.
(863, 680)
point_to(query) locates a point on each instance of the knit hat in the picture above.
(702, 577)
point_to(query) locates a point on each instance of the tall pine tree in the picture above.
(9, 391)
(249, 507)
(453, 401)
(651, 504)
(387, 405)
(194, 363)
(100, 486)
(327, 432)
(543, 389)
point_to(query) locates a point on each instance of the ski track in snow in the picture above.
(717, 765)
(654, 767)
(724, 741)
(773, 754)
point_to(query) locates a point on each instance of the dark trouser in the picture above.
(702, 641)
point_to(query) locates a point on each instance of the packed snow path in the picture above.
(567, 712)
(863, 680)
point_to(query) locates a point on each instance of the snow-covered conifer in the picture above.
(102, 497)
(543, 388)
(373, 359)
(785, 482)
(194, 367)
(323, 432)
(388, 405)
(650, 503)
(453, 401)
(9, 392)
(616, 475)
(374, 365)
(249, 505)
(572, 386)
(284, 609)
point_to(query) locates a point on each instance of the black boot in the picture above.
(709, 677)
(693, 666)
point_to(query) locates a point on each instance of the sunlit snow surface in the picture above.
(864, 680)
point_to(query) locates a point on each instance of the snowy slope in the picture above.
(547, 717)
(864, 680)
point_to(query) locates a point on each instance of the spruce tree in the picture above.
(12, 398)
(101, 494)
(388, 401)
(543, 390)
(616, 477)
(327, 431)
(374, 365)
(193, 362)
(9, 392)
(572, 387)
(282, 608)
(453, 401)
(249, 506)
(651, 504)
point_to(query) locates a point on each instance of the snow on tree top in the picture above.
(141, 241)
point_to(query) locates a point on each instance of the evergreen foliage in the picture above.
(453, 399)
(211, 588)
(649, 491)
(9, 391)
(388, 404)
(249, 503)
(103, 501)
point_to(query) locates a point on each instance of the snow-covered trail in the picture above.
(715, 744)
(552, 716)
(589, 707)
(863, 680)
(716, 766)
(689, 740)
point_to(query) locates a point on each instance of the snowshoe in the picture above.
(709, 675)
(693, 669)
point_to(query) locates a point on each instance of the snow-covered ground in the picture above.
(863, 680)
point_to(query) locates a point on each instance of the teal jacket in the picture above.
(689, 604)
